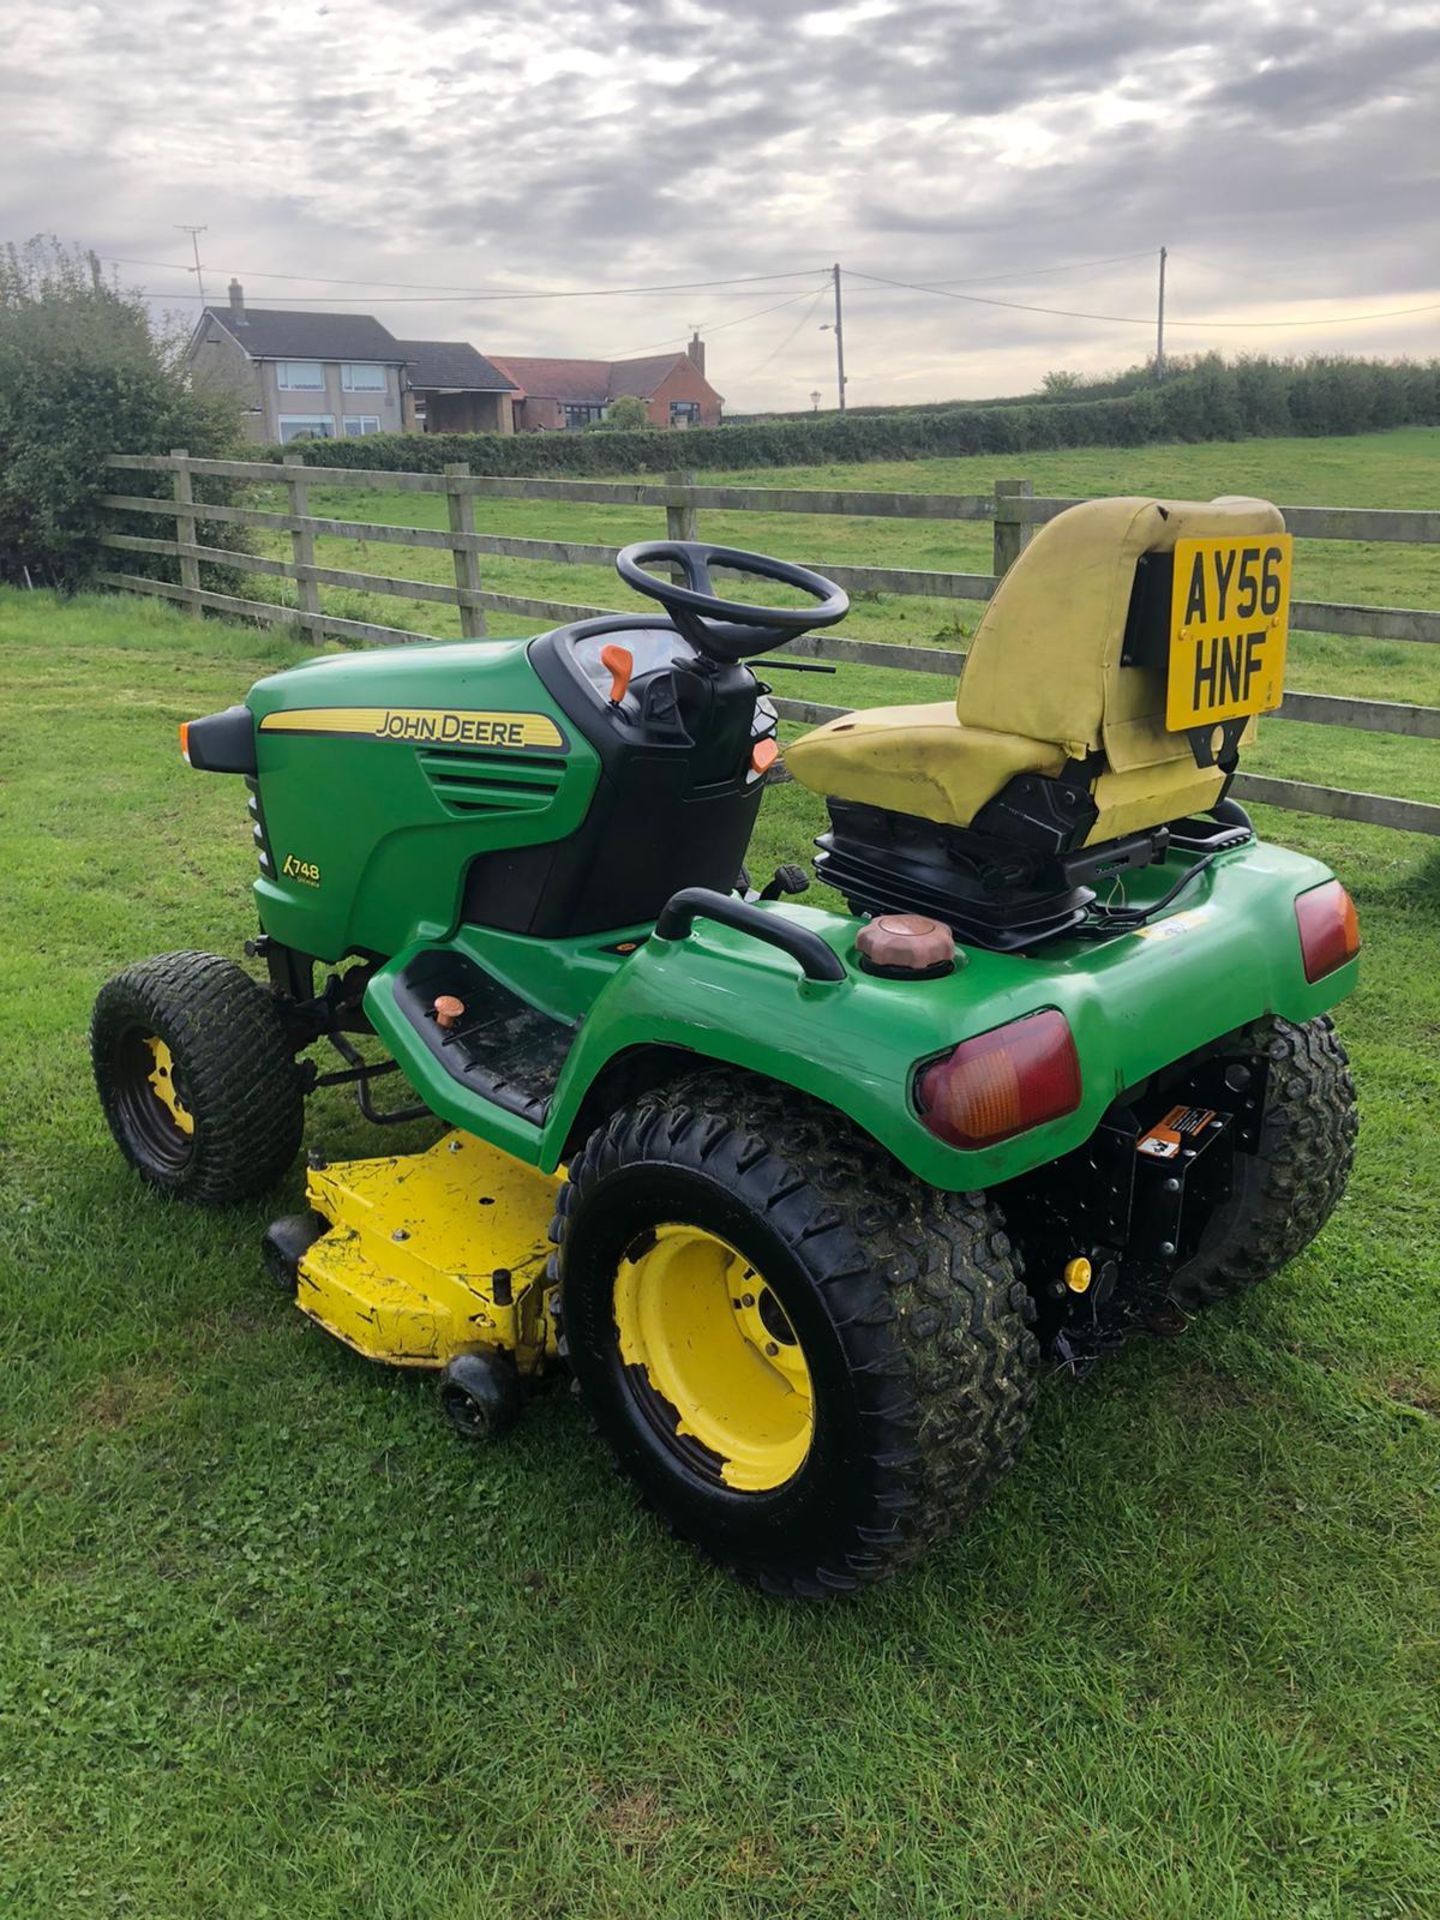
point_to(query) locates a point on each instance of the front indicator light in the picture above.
(1329, 929)
(1001, 1083)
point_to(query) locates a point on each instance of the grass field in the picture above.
(273, 1643)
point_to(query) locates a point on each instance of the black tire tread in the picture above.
(229, 1041)
(926, 1283)
(1295, 1181)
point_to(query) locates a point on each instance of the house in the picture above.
(573, 393)
(310, 376)
(326, 376)
(456, 389)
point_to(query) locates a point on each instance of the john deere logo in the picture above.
(460, 729)
(305, 871)
(423, 726)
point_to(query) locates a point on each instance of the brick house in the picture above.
(313, 376)
(553, 394)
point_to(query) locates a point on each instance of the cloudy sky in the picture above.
(1288, 156)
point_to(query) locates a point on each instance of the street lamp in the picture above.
(815, 399)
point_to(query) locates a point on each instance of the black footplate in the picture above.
(495, 1044)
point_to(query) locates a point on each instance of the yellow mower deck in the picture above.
(431, 1254)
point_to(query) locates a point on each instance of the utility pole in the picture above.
(839, 340)
(1160, 323)
(195, 233)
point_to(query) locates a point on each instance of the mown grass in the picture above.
(273, 1643)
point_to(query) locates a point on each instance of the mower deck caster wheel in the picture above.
(481, 1394)
(287, 1241)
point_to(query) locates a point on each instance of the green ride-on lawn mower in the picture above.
(800, 1196)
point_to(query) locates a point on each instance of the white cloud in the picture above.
(1289, 167)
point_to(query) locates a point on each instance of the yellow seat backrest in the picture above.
(1045, 660)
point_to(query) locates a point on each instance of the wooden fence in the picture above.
(1013, 510)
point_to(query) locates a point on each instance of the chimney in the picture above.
(695, 353)
(237, 303)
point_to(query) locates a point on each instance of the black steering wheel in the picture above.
(728, 630)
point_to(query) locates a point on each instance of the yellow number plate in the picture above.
(1229, 621)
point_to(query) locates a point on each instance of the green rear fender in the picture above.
(1135, 1004)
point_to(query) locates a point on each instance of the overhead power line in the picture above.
(450, 286)
(580, 293)
(1028, 273)
(1336, 320)
(421, 296)
(420, 293)
(775, 352)
(1131, 319)
(679, 339)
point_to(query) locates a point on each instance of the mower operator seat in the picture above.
(1043, 685)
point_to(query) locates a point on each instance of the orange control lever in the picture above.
(449, 1011)
(621, 663)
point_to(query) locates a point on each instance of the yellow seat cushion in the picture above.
(918, 760)
(1044, 684)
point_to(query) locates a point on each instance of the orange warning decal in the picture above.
(1167, 1136)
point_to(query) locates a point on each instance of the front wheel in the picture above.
(196, 1077)
(812, 1365)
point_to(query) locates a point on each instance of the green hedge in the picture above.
(82, 375)
(1254, 376)
(1211, 400)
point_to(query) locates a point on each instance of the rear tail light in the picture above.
(1001, 1083)
(1329, 929)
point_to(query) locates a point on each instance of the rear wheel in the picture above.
(813, 1366)
(196, 1077)
(1287, 1189)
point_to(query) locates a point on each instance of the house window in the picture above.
(357, 425)
(684, 413)
(357, 377)
(576, 416)
(306, 426)
(300, 376)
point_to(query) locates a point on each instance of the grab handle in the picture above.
(817, 961)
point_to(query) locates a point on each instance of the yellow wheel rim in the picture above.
(718, 1352)
(162, 1083)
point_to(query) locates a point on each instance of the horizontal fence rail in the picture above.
(1013, 509)
(1419, 528)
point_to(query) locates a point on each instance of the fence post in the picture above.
(467, 562)
(185, 529)
(302, 545)
(1009, 527)
(681, 520)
